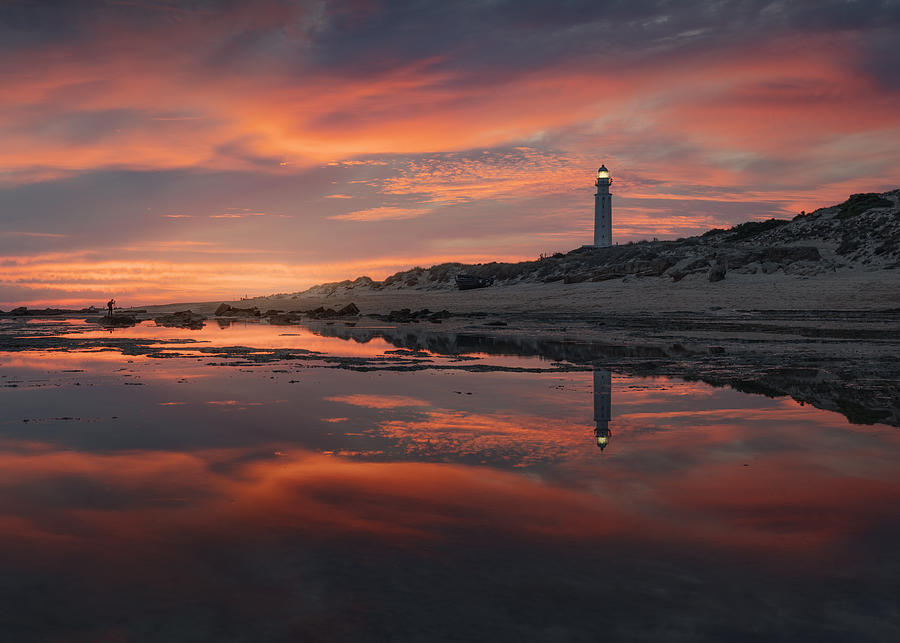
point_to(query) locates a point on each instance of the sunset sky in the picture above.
(162, 151)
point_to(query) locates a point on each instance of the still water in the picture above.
(264, 483)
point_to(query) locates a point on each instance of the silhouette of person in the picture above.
(109, 305)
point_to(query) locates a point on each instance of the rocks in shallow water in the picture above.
(321, 313)
(224, 310)
(350, 310)
(282, 319)
(181, 319)
(406, 316)
(114, 321)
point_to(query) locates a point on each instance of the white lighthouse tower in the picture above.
(603, 210)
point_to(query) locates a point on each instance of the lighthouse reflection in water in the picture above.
(602, 406)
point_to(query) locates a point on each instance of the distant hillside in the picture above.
(862, 232)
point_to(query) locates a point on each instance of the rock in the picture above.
(224, 310)
(404, 315)
(348, 310)
(181, 319)
(114, 321)
(407, 316)
(770, 267)
(283, 319)
(18, 312)
(321, 313)
(718, 269)
(271, 312)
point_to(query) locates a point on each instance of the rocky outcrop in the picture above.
(718, 269)
(224, 310)
(280, 317)
(407, 316)
(181, 319)
(350, 310)
(113, 321)
(283, 319)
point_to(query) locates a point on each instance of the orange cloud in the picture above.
(381, 214)
(137, 282)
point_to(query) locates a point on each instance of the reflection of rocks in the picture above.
(863, 392)
(459, 343)
(860, 399)
(182, 319)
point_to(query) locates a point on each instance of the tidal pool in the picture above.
(264, 483)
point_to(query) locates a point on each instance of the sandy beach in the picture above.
(847, 290)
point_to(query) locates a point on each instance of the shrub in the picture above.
(753, 228)
(859, 203)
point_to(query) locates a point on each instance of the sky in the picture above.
(161, 151)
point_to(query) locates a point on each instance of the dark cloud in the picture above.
(881, 58)
(511, 35)
(356, 38)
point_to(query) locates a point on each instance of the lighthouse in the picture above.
(603, 210)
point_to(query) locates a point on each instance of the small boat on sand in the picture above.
(468, 282)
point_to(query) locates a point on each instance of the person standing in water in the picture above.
(109, 305)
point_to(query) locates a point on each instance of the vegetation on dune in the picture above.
(753, 228)
(859, 203)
